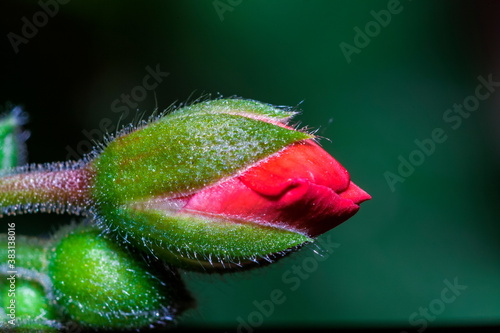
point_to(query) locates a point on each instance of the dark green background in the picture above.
(394, 255)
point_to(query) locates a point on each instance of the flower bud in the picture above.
(220, 184)
(98, 284)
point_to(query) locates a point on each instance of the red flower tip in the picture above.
(355, 193)
(301, 188)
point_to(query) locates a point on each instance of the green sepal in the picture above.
(12, 142)
(99, 284)
(244, 107)
(206, 243)
(188, 149)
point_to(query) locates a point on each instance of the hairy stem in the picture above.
(54, 188)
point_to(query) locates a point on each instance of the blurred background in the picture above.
(375, 78)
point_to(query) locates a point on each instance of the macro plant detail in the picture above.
(217, 186)
(83, 277)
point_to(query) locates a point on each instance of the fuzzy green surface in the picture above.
(187, 150)
(29, 252)
(32, 326)
(191, 241)
(10, 143)
(99, 285)
(237, 106)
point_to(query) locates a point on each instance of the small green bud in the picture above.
(99, 284)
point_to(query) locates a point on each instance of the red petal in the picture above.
(306, 160)
(301, 188)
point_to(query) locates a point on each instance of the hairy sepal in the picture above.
(187, 150)
(205, 243)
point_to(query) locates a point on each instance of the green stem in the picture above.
(55, 188)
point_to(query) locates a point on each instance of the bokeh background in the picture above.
(440, 224)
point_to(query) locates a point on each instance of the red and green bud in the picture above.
(216, 185)
(301, 188)
(223, 184)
